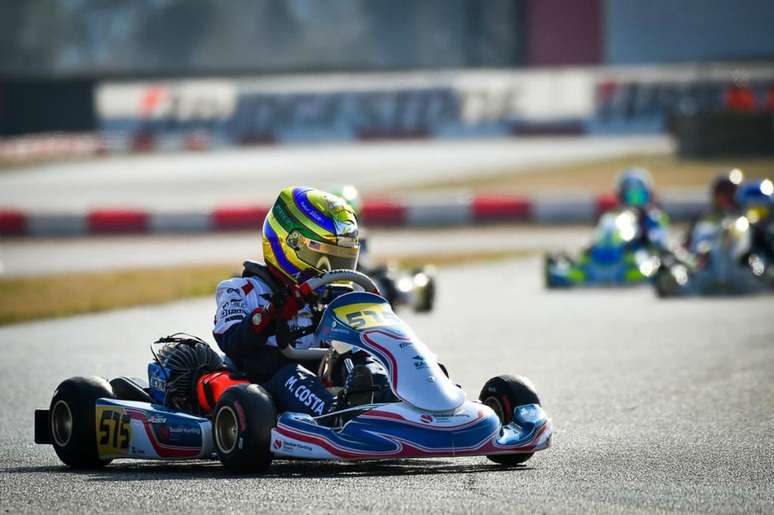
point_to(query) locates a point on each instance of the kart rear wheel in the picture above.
(241, 425)
(502, 394)
(72, 421)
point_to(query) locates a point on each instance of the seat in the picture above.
(130, 389)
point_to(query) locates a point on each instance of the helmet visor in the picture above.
(325, 257)
(636, 196)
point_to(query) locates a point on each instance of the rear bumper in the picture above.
(42, 427)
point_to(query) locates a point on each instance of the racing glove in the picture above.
(282, 308)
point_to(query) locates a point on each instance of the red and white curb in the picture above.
(446, 212)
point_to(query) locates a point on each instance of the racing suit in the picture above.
(252, 345)
(704, 226)
(653, 224)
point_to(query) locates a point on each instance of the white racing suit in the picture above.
(293, 387)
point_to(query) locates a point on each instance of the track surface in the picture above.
(659, 406)
(250, 175)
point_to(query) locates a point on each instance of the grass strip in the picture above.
(52, 296)
(668, 172)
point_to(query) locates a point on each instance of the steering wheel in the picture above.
(334, 276)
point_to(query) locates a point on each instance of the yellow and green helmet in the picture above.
(349, 193)
(308, 231)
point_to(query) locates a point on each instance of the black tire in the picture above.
(241, 426)
(72, 421)
(427, 293)
(548, 262)
(665, 284)
(503, 394)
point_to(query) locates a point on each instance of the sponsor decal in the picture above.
(227, 312)
(157, 419)
(114, 431)
(305, 395)
(278, 444)
(293, 446)
(403, 345)
(367, 316)
(158, 383)
(181, 434)
(419, 362)
(427, 419)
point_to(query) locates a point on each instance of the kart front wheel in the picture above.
(503, 394)
(241, 425)
(72, 421)
(665, 283)
(424, 288)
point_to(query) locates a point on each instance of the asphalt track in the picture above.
(660, 406)
(175, 181)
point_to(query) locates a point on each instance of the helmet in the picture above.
(723, 190)
(634, 188)
(755, 198)
(308, 231)
(351, 195)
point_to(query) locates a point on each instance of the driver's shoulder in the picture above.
(243, 286)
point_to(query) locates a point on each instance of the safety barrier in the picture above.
(434, 212)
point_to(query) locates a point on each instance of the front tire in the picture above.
(425, 293)
(72, 421)
(665, 284)
(242, 424)
(503, 394)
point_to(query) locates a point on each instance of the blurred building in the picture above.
(53, 53)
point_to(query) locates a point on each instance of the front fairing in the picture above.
(613, 257)
(366, 322)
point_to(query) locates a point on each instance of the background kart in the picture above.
(92, 421)
(719, 262)
(611, 260)
(411, 288)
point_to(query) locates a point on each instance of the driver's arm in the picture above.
(242, 323)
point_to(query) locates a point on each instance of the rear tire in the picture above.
(241, 425)
(502, 394)
(72, 421)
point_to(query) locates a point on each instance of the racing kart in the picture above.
(611, 260)
(91, 421)
(414, 288)
(719, 261)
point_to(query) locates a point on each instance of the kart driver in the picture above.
(634, 191)
(306, 232)
(722, 204)
(756, 200)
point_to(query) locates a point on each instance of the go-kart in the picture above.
(719, 261)
(611, 260)
(91, 421)
(414, 288)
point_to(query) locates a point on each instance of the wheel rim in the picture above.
(497, 407)
(61, 423)
(226, 430)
